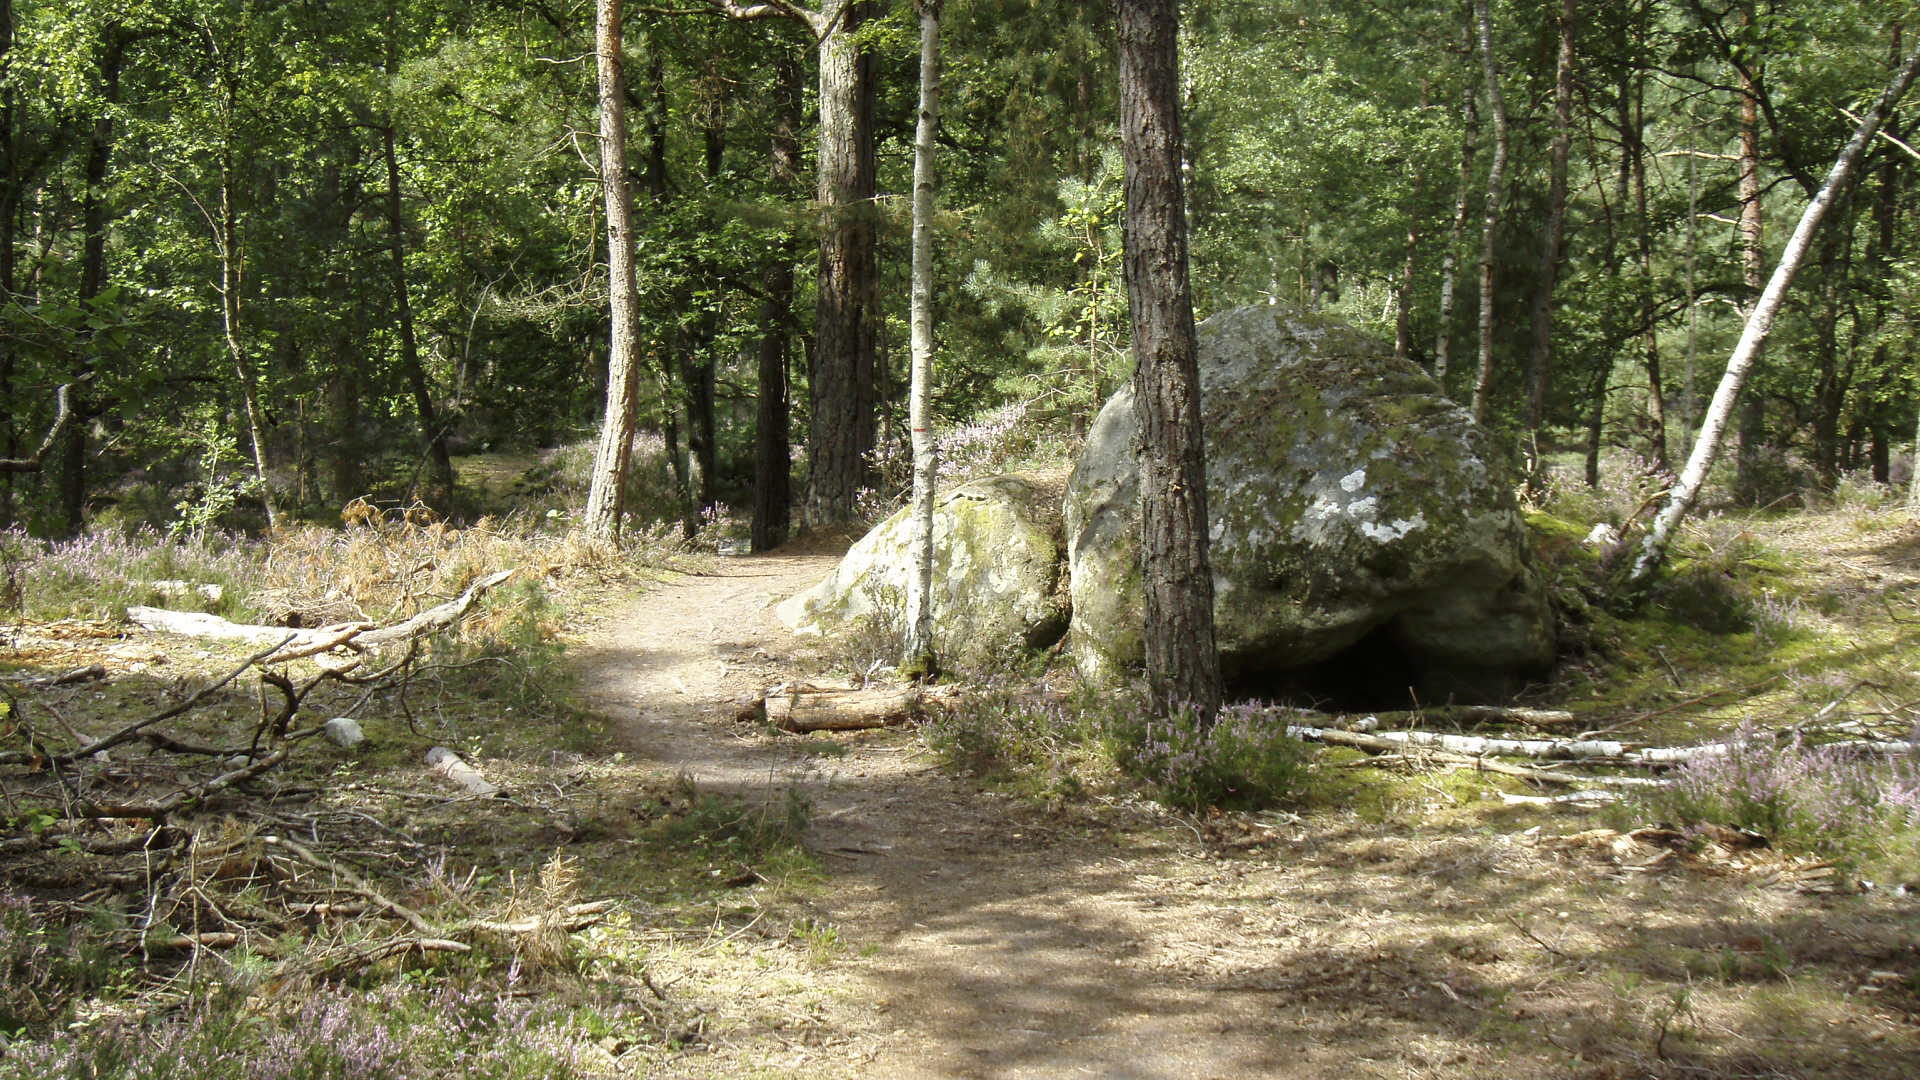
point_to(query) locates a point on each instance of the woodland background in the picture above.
(377, 221)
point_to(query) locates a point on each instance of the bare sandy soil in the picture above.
(976, 935)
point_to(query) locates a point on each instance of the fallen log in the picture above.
(295, 644)
(1480, 746)
(804, 709)
(1383, 744)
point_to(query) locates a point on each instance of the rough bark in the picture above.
(921, 659)
(1552, 249)
(1183, 669)
(1496, 196)
(1759, 323)
(841, 393)
(606, 493)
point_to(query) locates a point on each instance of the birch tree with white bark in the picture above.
(1713, 426)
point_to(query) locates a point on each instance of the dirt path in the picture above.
(988, 939)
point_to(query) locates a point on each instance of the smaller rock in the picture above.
(1602, 536)
(343, 732)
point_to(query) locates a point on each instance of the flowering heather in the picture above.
(97, 574)
(1244, 760)
(1824, 797)
(389, 1033)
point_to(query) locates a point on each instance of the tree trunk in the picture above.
(1649, 334)
(841, 392)
(920, 659)
(93, 272)
(1496, 194)
(233, 280)
(1597, 422)
(1183, 666)
(1689, 403)
(772, 464)
(10, 185)
(432, 432)
(1552, 250)
(606, 493)
(1753, 264)
(1759, 324)
(1450, 260)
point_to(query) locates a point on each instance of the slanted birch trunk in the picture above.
(1759, 324)
(606, 490)
(919, 660)
(1496, 195)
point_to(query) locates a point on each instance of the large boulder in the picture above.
(1348, 498)
(999, 572)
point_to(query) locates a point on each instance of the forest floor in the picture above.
(957, 930)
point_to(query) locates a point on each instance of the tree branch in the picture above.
(63, 415)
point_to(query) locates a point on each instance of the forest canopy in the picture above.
(364, 237)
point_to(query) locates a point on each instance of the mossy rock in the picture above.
(999, 573)
(1347, 494)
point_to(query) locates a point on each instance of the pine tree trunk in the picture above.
(841, 392)
(606, 491)
(1759, 323)
(1183, 666)
(920, 660)
(1496, 195)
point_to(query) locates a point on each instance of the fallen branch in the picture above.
(62, 416)
(1381, 744)
(297, 644)
(132, 731)
(186, 796)
(355, 883)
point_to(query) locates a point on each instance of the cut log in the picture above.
(448, 764)
(804, 709)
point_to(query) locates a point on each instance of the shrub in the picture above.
(1245, 760)
(1829, 799)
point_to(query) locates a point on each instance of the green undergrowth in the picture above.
(100, 973)
(1054, 748)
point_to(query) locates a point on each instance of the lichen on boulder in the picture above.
(1347, 496)
(998, 575)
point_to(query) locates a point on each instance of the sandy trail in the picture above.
(997, 942)
(985, 937)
